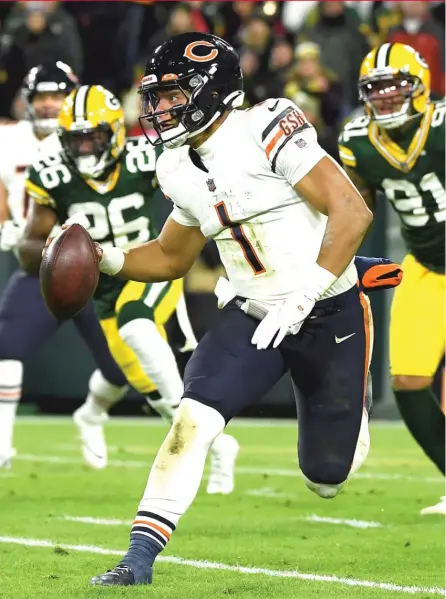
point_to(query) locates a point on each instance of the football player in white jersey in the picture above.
(25, 322)
(287, 222)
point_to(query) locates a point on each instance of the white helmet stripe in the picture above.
(382, 57)
(80, 103)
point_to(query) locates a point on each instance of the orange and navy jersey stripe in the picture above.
(154, 526)
(288, 123)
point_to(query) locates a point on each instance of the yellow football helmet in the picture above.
(394, 83)
(92, 130)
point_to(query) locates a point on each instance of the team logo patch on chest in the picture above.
(211, 184)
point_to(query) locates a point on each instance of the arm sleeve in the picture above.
(287, 138)
(36, 191)
(164, 170)
(299, 155)
(183, 217)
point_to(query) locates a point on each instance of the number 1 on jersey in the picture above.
(238, 234)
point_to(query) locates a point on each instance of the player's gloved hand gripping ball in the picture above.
(69, 271)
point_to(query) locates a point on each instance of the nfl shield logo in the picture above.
(301, 143)
(211, 185)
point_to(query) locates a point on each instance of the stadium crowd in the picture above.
(308, 51)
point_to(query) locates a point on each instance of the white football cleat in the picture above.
(91, 432)
(223, 452)
(438, 508)
(6, 459)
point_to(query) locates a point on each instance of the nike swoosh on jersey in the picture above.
(341, 339)
(273, 108)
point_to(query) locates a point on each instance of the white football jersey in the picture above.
(19, 148)
(266, 234)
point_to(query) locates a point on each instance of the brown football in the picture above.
(69, 272)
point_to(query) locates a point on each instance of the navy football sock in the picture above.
(149, 535)
(140, 557)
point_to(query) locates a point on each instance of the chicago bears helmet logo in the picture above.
(190, 54)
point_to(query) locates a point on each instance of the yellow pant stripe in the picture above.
(165, 301)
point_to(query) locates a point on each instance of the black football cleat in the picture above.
(122, 576)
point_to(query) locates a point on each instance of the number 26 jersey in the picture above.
(115, 212)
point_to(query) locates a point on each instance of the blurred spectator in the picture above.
(235, 15)
(254, 89)
(180, 20)
(43, 32)
(320, 85)
(256, 36)
(384, 19)
(269, 82)
(32, 33)
(419, 30)
(198, 15)
(105, 52)
(281, 58)
(327, 136)
(311, 77)
(295, 13)
(336, 30)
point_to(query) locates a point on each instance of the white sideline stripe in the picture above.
(260, 492)
(348, 522)
(205, 565)
(27, 457)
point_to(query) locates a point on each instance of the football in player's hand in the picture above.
(69, 272)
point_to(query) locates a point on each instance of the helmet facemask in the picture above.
(189, 119)
(90, 148)
(388, 97)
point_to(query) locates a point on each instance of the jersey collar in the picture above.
(109, 184)
(393, 153)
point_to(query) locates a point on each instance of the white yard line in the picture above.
(256, 492)
(267, 492)
(98, 521)
(288, 472)
(341, 521)
(384, 586)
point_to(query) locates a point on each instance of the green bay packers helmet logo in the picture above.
(189, 51)
(420, 60)
(111, 101)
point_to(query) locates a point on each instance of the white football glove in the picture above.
(10, 235)
(285, 318)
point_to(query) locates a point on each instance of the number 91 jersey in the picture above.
(116, 212)
(410, 171)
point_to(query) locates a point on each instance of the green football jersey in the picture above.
(117, 212)
(411, 174)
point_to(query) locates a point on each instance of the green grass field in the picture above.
(60, 523)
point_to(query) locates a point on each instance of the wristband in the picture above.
(112, 260)
(319, 280)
